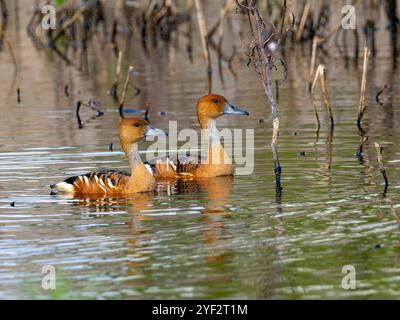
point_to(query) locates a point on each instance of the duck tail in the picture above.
(62, 187)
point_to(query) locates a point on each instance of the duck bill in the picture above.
(155, 132)
(229, 109)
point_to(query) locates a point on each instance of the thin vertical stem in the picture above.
(361, 105)
(325, 91)
(128, 77)
(379, 150)
(313, 59)
(114, 88)
(303, 20)
(204, 41)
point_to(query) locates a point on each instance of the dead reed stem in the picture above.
(221, 38)
(10, 49)
(262, 58)
(379, 150)
(361, 106)
(125, 89)
(204, 41)
(360, 151)
(313, 59)
(313, 85)
(321, 74)
(114, 88)
(325, 91)
(303, 20)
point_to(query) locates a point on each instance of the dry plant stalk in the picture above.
(221, 37)
(114, 88)
(316, 41)
(204, 41)
(361, 106)
(379, 150)
(321, 74)
(126, 84)
(262, 50)
(360, 151)
(303, 20)
(10, 49)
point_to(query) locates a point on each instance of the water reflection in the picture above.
(214, 192)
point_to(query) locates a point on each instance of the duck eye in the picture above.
(216, 101)
(137, 125)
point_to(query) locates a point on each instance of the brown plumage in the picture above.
(101, 182)
(113, 182)
(209, 108)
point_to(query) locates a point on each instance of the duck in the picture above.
(217, 163)
(115, 182)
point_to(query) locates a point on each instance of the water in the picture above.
(228, 238)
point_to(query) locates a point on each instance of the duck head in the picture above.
(213, 106)
(133, 130)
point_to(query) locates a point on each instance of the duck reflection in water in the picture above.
(143, 220)
(216, 192)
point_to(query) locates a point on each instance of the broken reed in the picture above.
(12, 54)
(360, 151)
(204, 42)
(379, 150)
(114, 88)
(361, 106)
(313, 59)
(303, 20)
(321, 74)
(124, 91)
(261, 56)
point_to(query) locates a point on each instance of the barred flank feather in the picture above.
(174, 168)
(101, 182)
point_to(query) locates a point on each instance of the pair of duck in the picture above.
(143, 177)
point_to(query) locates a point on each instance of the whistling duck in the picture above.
(113, 182)
(209, 109)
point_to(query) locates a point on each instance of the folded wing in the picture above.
(101, 182)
